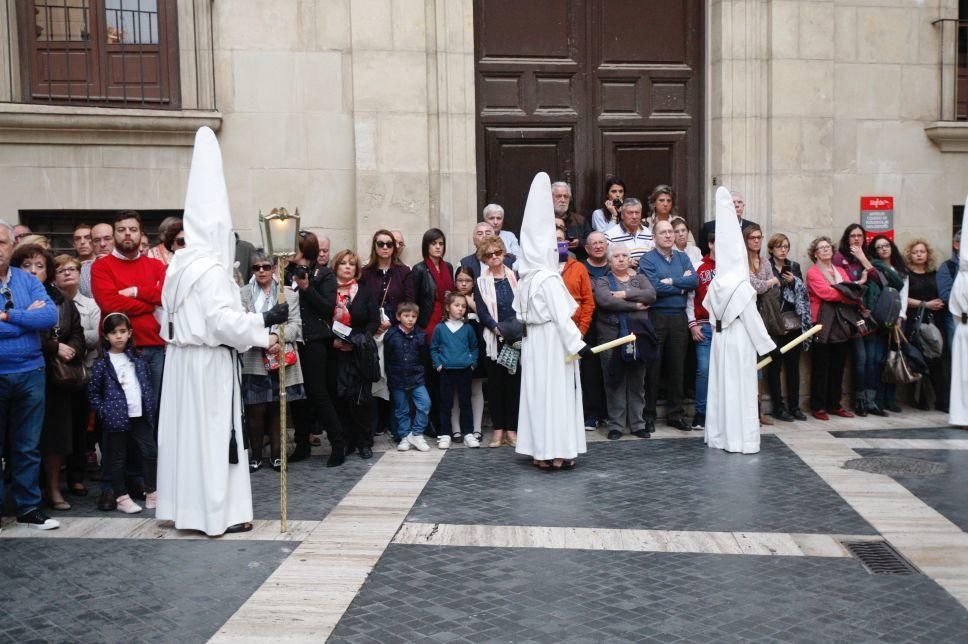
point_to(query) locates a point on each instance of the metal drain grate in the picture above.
(880, 558)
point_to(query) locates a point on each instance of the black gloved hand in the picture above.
(276, 315)
(586, 351)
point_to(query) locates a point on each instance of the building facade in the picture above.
(408, 114)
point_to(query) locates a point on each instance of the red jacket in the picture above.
(705, 273)
(820, 289)
(111, 274)
(579, 285)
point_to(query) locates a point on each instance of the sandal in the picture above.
(238, 527)
(541, 465)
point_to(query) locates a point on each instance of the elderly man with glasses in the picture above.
(27, 310)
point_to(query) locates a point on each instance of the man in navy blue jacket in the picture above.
(27, 310)
(670, 272)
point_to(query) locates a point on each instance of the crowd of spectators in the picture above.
(373, 345)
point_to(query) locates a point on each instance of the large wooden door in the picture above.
(587, 89)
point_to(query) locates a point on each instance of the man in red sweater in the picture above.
(700, 330)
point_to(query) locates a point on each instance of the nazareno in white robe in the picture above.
(958, 305)
(732, 409)
(198, 488)
(550, 416)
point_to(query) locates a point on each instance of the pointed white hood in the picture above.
(209, 236)
(959, 291)
(539, 245)
(730, 291)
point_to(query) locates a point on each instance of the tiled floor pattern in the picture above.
(442, 594)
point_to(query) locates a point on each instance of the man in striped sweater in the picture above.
(630, 232)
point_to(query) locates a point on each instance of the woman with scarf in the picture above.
(887, 259)
(622, 299)
(260, 375)
(432, 278)
(794, 302)
(496, 289)
(355, 319)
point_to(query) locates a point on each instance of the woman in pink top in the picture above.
(827, 364)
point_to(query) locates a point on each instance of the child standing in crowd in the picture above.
(464, 280)
(453, 351)
(121, 396)
(405, 353)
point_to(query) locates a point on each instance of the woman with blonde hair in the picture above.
(925, 304)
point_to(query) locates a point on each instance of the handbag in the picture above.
(271, 361)
(69, 375)
(897, 367)
(791, 322)
(887, 308)
(508, 357)
(925, 335)
(768, 305)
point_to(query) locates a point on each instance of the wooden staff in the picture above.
(617, 342)
(792, 343)
(283, 438)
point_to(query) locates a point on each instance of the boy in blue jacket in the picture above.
(453, 351)
(405, 353)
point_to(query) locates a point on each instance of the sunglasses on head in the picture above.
(385, 244)
(261, 267)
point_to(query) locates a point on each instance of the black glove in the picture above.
(276, 315)
(586, 351)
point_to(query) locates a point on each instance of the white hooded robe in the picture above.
(550, 418)
(201, 399)
(958, 305)
(732, 408)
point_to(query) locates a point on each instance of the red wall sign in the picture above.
(877, 216)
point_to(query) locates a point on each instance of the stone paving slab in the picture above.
(83, 590)
(932, 433)
(313, 490)
(444, 594)
(649, 484)
(947, 492)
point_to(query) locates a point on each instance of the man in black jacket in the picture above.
(739, 202)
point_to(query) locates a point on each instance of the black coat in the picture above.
(355, 370)
(316, 304)
(425, 289)
(710, 226)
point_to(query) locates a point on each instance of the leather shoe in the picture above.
(860, 409)
(783, 414)
(820, 414)
(614, 435)
(649, 427)
(641, 433)
(679, 423)
(894, 407)
(877, 411)
(797, 414)
(106, 502)
(366, 452)
(336, 458)
(843, 413)
(301, 452)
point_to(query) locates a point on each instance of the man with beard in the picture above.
(577, 227)
(126, 281)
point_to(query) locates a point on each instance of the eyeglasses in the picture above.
(261, 267)
(385, 244)
(824, 247)
(755, 237)
(179, 241)
(66, 270)
(882, 246)
(783, 246)
(494, 253)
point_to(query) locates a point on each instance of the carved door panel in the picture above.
(585, 90)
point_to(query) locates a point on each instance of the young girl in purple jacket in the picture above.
(121, 396)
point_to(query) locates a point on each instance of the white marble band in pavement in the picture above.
(728, 543)
(904, 443)
(929, 540)
(308, 593)
(148, 528)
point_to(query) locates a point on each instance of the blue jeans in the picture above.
(22, 398)
(702, 367)
(155, 357)
(401, 410)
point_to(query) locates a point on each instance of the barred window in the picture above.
(113, 52)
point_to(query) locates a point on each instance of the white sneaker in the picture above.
(419, 442)
(471, 441)
(404, 444)
(443, 442)
(126, 505)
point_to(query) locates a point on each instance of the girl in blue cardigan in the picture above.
(453, 351)
(121, 396)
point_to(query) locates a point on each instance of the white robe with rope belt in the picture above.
(201, 401)
(550, 418)
(732, 409)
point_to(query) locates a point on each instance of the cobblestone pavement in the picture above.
(933, 433)
(88, 590)
(946, 492)
(675, 484)
(422, 593)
